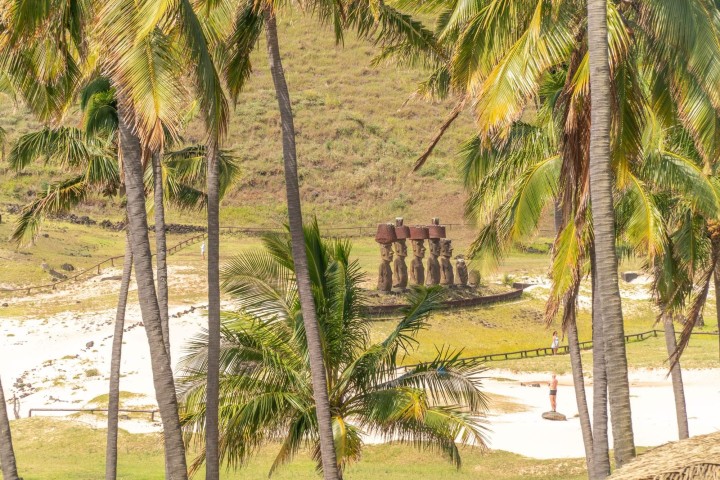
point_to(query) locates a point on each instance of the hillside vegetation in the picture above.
(358, 133)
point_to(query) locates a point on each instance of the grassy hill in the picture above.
(359, 133)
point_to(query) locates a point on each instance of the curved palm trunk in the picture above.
(164, 383)
(601, 450)
(604, 229)
(212, 431)
(579, 384)
(111, 453)
(312, 333)
(7, 454)
(161, 249)
(677, 382)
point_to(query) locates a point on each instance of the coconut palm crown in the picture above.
(265, 386)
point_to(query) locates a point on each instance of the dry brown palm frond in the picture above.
(694, 458)
(433, 143)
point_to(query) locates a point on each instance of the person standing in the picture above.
(555, 343)
(202, 250)
(553, 384)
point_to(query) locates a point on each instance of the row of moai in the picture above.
(439, 268)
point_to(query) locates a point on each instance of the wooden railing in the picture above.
(561, 350)
(92, 410)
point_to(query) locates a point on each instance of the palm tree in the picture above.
(379, 22)
(111, 453)
(601, 187)
(300, 261)
(7, 454)
(131, 152)
(266, 383)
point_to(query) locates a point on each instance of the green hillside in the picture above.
(359, 133)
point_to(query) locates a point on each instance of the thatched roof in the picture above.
(694, 458)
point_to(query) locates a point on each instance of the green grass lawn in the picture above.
(49, 449)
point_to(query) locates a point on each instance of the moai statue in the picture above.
(385, 236)
(447, 277)
(437, 232)
(418, 235)
(400, 272)
(462, 271)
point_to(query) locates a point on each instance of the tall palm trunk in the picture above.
(111, 452)
(677, 382)
(161, 248)
(604, 228)
(7, 454)
(163, 381)
(579, 383)
(317, 367)
(717, 297)
(212, 430)
(601, 450)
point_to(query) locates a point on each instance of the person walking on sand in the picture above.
(553, 384)
(555, 342)
(202, 250)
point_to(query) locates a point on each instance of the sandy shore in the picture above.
(48, 364)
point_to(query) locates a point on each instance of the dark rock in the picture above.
(557, 416)
(116, 226)
(46, 235)
(67, 267)
(90, 344)
(57, 275)
(629, 276)
(14, 208)
(75, 219)
(5, 304)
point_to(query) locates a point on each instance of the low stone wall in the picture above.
(384, 310)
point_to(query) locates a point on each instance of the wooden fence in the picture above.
(92, 410)
(561, 350)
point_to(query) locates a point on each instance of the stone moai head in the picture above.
(436, 233)
(418, 235)
(402, 233)
(386, 252)
(385, 236)
(446, 248)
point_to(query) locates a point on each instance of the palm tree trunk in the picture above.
(111, 452)
(601, 449)
(7, 454)
(579, 384)
(717, 298)
(604, 229)
(558, 216)
(212, 431)
(161, 249)
(677, 382)
(312, 333)
(164, 383)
